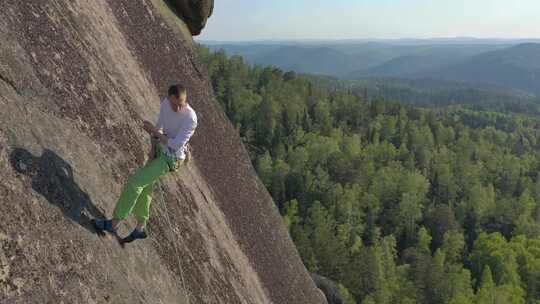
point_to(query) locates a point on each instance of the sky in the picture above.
(239, 20)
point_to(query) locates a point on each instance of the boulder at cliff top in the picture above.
(76, 79)
(328, 288)
(194, 12)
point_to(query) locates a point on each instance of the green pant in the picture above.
(137, 193)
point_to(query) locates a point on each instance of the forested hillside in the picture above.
(397, 204)
(512, 64)
(437, 93)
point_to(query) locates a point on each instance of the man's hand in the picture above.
(149, 128)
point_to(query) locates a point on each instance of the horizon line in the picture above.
(369, 39)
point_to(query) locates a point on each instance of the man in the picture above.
(175, 126)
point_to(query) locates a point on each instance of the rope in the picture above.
(167, 218)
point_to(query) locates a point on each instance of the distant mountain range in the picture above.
(505, 63)
(423, 59)
(400, 41)
(312, 60)
(515, 67)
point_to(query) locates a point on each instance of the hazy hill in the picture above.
(318, 60)
(250, 52)
(302, 59)
(516, 67)
(355, 60)
(334, 59)
(422, 59)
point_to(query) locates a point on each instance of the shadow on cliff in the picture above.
(52, 177)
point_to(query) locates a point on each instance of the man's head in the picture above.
(178, 95)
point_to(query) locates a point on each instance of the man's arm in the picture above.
(151, 128)
(159, 122)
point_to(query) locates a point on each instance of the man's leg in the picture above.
(143, 178)
(142, 207)
(141, 211)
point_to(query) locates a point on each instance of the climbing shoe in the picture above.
(134, 235)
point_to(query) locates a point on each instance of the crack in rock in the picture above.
(11, 83)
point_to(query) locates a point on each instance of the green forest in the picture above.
(437, 93)
(396, 203)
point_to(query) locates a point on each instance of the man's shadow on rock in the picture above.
(52, 177)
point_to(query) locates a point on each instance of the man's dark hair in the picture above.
(177, 90)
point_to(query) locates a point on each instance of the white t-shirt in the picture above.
(177, 126)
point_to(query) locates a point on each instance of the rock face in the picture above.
(76, 78)
(194, 12)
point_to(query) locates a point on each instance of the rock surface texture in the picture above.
(76, 78)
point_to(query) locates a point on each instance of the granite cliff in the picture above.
(76, 78)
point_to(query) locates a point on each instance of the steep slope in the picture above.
(516, 67)
(76, 77)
